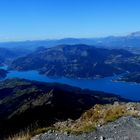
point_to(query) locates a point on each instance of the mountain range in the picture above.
(78, 61)
(128, 41)
(31, 104)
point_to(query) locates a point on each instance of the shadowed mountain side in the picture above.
(24, 102)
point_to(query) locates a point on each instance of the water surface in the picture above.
(127, 90)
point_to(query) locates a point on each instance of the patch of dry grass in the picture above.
(20, 136)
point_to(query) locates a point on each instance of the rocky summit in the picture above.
(119, 121)
(125, 128)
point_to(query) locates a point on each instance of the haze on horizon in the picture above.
(52, 19)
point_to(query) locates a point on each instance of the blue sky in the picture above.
(48, 19)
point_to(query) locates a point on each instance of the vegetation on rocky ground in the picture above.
(23, 135)
(89, 121)
(97, 116)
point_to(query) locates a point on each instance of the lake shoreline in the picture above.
(107, 84)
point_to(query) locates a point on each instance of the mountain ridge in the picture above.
(78, 61)
(126, 41)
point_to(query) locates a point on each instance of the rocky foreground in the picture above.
(120, 121)
(125, 128)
